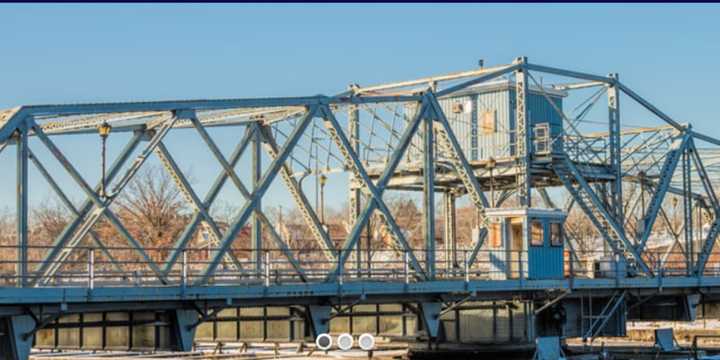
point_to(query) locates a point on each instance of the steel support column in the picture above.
(687, 211)
(614, 146)
(450, 229)
(354, 200)
(256, 235)
(22, 205)
(429, 195)
(523, 144)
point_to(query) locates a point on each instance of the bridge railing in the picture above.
(91, 267)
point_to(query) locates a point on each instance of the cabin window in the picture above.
(556, 238)
(458, 108)
(536, 233)
(541, 138)
(488, 121)
(495, 236)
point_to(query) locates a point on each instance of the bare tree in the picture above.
(48, 220)
(8, 239)
(153, 209)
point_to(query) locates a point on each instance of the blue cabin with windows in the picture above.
(526, 243)
(483, 119)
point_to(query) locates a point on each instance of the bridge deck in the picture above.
(388, 291)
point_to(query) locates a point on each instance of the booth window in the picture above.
(488, 121)
(556, 234)
(536, 234)
(495, 236)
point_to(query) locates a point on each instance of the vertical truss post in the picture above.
(429, 194)
(687, 210)
(355, 192)
(450, 230)
(257, 246)
(22, 205)
(523, 134)
(614, 145)
(714, 205)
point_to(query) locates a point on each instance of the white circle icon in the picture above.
(345, 341)
(366, 341)
(323, 342)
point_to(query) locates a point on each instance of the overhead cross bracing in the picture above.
(511, 142)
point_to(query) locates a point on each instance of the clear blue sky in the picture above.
(79, 53)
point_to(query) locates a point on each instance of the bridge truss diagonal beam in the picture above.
(69, 205)
(101, 207)
(448, 141)
(250, 205)
(341, 141)
(370, 206)
(595, 210)
(228, 171)
(189, 230)
(62, 243)
(672, 159)
(191, 197)
(309, 215)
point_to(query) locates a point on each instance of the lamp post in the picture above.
(104, 131)
(323, 181)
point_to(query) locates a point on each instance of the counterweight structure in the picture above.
(498, 137)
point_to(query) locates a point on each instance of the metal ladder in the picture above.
(598, 214)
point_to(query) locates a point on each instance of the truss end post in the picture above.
(183, 326)
(319, 316)
(431, 318)
(19, 330)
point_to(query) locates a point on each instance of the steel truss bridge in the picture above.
(384, 139)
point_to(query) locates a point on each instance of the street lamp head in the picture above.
(104, 129)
